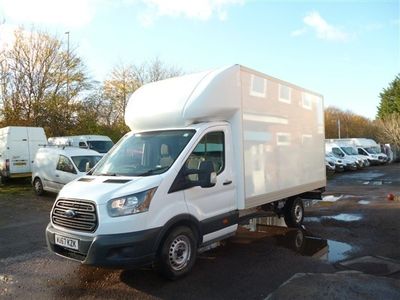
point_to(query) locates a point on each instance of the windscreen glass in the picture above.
(337, 152)
(85, 163)
(350, 150)
(100, 146)
(372, 150)
(144, 154)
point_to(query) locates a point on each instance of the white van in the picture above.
(350, 150)
(205, 150)
(338, 151)
(54, 167)
(100, 143)
(369, 149)
(18, 146)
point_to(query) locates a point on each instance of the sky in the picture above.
(348, 51)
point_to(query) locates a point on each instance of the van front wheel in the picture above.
(38, 186)
(294, 212)
(178, 253)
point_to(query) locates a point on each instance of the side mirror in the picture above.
(207, 175)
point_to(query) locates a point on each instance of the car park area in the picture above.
(354, 228)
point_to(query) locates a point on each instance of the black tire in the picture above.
(3, 179)
(177, 254)
(294, 212)
(38, 186)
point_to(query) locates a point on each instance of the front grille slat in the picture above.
(84, 218)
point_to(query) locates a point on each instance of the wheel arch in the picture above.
(180, 220)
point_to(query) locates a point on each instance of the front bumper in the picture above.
(124, 250)
(339, 167)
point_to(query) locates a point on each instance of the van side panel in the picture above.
(283, 134)
(19, 145)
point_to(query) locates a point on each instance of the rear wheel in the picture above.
(177, 254)
(3, 179)
(38, 186)
(294, 212)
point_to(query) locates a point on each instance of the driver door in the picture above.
(215, 207)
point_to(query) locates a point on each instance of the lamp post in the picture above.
(338, 125)
(67, 33)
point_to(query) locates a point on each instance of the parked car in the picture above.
(54, 167)
(18, 146)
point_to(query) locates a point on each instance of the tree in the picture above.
(34, 74)
(121, 84)
(390, 99)
(390, 130)
(351, 124)
(154, 70)
(126, 79)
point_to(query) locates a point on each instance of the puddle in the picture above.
(312, 219)
(337, 251)
(374, 182)
(258, 223)
(345, 217)
(299, 240)
(332, 198)
(364, 202)
(340, 217)
(371, 175)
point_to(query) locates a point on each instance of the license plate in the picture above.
(20, 164)
(66, 242)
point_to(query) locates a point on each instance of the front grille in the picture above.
(75, 214)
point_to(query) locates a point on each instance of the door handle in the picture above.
(57, 175)
(227, 182)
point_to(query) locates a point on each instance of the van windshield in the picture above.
(349, 150)
(100, 146)
(144, 154)
(372, 150)
(337, 152)
(82, 161)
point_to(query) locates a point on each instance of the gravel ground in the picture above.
(355, 220)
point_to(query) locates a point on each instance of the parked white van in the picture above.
(205, 149)
(18, 146)
(54, 167)
(100, 143)
(337, 150)
(350, 150)
(369, 149)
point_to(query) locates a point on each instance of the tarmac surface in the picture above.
(354, 229)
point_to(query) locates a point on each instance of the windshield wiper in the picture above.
(152, 171)
(107, 174)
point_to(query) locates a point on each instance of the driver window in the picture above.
(362, 152)
(211, 148)
(65, 165)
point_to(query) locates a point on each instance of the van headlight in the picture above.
(132, 204)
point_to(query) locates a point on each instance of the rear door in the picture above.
(18, 150)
